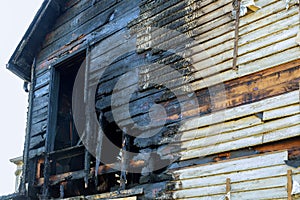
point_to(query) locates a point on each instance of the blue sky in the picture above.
(15, 17)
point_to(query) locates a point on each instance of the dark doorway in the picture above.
(66, 134)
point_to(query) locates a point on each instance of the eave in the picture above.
(21, 61)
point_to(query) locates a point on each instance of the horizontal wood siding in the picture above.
(40, 106)
(255, 104)
(256, 177)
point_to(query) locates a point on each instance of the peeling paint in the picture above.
(246, 5)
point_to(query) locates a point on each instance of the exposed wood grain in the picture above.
(289, 184)
(228, 187)
(244, 90)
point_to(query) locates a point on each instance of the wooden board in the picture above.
(257, 176)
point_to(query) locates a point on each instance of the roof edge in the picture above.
(21, 60)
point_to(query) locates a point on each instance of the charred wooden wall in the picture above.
(242, 116)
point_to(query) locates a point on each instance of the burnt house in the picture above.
(150, 99)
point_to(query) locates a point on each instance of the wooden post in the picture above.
(98, 149)
(237, 7)
(51, 127)
(87, 165)
(87, 156)
(123, 178)
(228, 187)
(25, 167)
(289, 184)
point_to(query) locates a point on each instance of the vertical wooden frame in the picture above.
(51, 125)
(25, 176)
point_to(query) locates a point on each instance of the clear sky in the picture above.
(15, 17)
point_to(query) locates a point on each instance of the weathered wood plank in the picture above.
(36, 118)
(279, 192)
(263, 22)
(182, 25)
(155, 11)
(283, 133)
(79, 16)
(38, 128)
(256, 178)
(247, 44)
(214, 169)
(124, 9)
(239, 177)
(281, 112)
(40, 111)
(240, 111)
(220, 128)
(247, 132)
(118, 194)
(247, 68)
(261, 88)
(37, 141)
(100, 34)
(267, 8)
(273, 193)
(257, 51)
(71, 8)
(40, 92)
(242, 143)
(42, 80)
(40, 102)
(36, 152)
(200, 192)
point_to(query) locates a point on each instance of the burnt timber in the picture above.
(220, 77)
